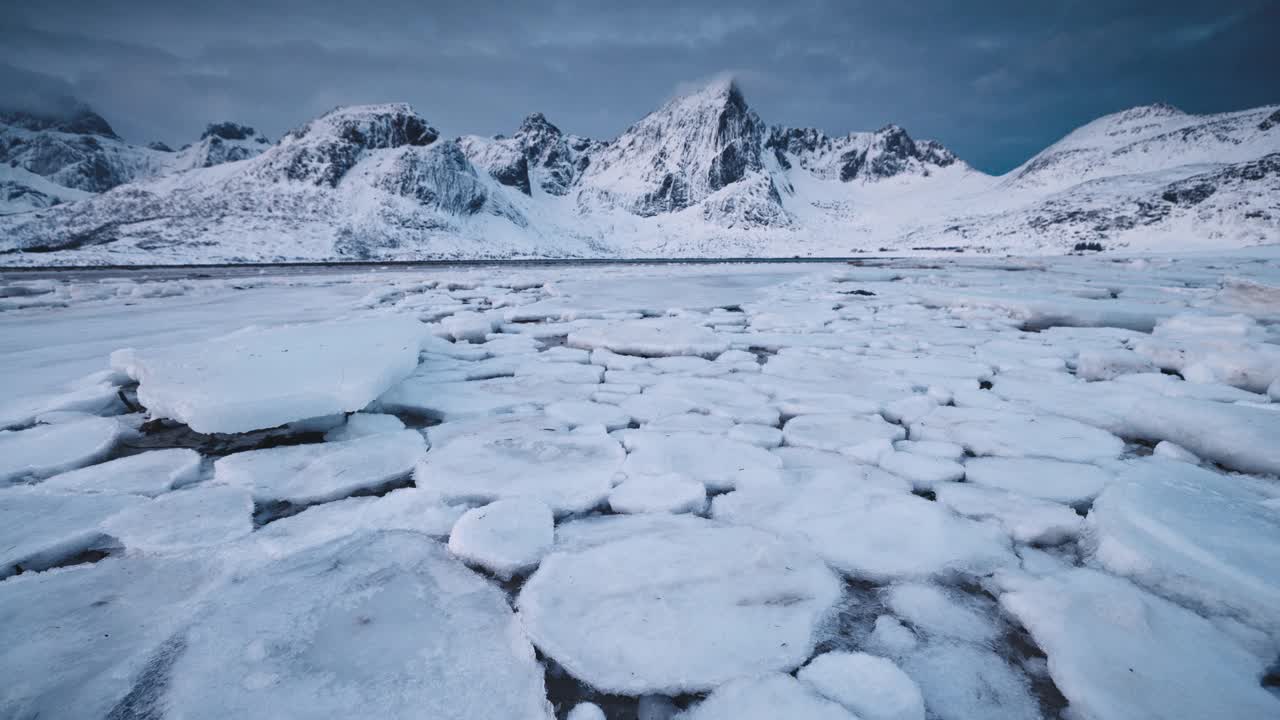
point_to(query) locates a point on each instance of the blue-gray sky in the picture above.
(995, 81)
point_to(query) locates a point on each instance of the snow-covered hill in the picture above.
(701, 176)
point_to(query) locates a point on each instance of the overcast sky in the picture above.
(994, 81)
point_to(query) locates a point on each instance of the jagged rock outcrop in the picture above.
(679, 155)
(322, 151)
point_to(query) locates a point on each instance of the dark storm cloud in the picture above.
(995, 81)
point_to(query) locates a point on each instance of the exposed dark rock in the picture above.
(79, 120)
(1272, 120)
(228, 131)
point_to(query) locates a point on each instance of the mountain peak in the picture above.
(537, 123)
(228, 131)
(79, 119)
(371, 126)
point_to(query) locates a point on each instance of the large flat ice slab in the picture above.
(570, 472)
(1117, 652)
(1192, 534)
(383, 625)
(680, 610)
(306, 474)
(263, 377)
(46, 450)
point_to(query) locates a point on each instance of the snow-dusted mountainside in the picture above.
(701, 176)
(50, 159)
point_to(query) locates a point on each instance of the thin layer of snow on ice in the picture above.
(46, 450)
(507, 537)
(306, 474)
(149, 473)
(871, 687)
(1118, 652)
(570, 472)
(678, 611)
(580, 412)
(263, 377)
(385, 624)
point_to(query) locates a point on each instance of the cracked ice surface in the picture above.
(953, 488)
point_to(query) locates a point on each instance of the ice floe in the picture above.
(570, 472)
(149, 473)
(507, 537)
(263, 377)
(678, 611)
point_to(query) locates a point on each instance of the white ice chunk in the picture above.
(1193, 534)
(650, 337)
(909, 409)
(263, 377)
(836, 432)
(581, 412)
(507, 537)
(873, 688)
(1100, 364)
(718, 463)
(570, 472)
(678, 611)
(767, 697)
(1173, 451)
(992, 432)
(149, 473)
(891, 636)
(763, 436)
(184, 520)
(931, 448)
(361, 424)
(1117, 652)
(306, 474)
(383, 625)
(469, 326)
(1054, 480)
(649, 407)
(1027, 519)
(404, 509)
(867, 531)
(39, 529)
(940, 612)
(46, 450)
(671, 492)
(922, 471)
(585, 711)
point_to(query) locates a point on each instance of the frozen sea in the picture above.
(891, 488)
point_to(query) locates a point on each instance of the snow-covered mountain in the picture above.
(50, 159)
(701, 176)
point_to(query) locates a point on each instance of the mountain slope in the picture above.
(701, 176)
